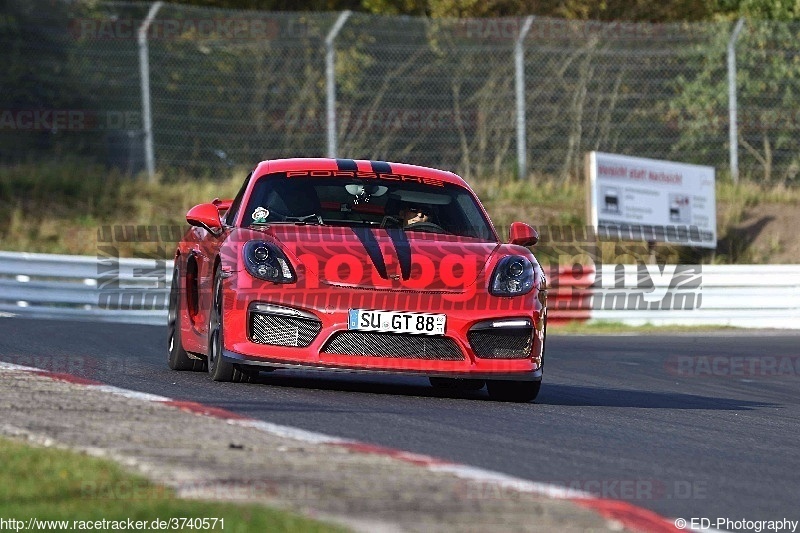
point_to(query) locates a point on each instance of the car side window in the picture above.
(230, 216)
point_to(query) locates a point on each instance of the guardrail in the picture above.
(94, 288)
(746, 296)
(136, 291)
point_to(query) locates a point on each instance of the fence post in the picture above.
(330, 80)
(519, 63)
(733, 131)
(144, 74)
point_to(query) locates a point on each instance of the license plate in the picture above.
(396, 322)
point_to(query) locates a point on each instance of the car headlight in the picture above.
(266, 261)
(513, 276)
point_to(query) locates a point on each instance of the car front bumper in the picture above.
(330, 308)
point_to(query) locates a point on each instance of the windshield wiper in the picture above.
(303, 221)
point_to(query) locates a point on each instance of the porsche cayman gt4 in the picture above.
(354, 265)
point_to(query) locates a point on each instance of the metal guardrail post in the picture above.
(732, 104)
(144, 74)
(519, 63)
(330, 80)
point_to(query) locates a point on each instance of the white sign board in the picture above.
(632, 198)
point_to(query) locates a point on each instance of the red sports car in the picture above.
(353, 265)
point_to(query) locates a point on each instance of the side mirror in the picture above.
(205, 216)
(222, 205)
(522, 234)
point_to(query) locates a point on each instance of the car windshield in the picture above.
(410, 203)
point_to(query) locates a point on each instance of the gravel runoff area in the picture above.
(210, 458)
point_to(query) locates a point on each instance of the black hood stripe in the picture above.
(381, 167)
(403, 249)
(346, 164)
(373, 249)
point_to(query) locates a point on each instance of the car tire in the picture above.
(177, 357)
(456, 383)
(513, 391)
(218, 367)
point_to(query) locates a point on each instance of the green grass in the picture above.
(751, 194)
(604, 327)
(51, 484)
(57, 208)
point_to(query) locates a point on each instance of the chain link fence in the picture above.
(235, 87)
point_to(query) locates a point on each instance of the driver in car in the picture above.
(411, 214)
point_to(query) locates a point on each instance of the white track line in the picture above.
(462, 471)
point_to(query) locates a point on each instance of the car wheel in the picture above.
(218, 367)
(456, 383)
(513, 391)
(177, 357)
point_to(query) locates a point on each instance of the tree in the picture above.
(768, 90)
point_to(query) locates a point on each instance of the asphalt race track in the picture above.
(704, 425)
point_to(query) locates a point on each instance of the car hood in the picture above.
(383, 259)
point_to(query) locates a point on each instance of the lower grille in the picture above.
(282, 330)
(511, 343)
(394, 345)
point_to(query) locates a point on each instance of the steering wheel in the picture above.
(388, 218)
(430, 227)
